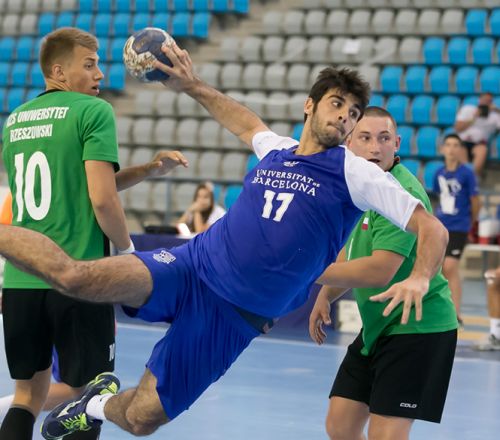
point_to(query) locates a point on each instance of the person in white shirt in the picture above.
(203, 212)
(475, 124)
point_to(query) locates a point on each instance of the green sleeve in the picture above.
(99, 133)
(389, 237)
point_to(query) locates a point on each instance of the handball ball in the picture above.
(142, 49)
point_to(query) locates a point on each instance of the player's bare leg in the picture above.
(346, 419)
(452, 274)
(123, 279)
(389, 428)
(31, 394)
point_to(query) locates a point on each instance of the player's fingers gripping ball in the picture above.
(141, 51)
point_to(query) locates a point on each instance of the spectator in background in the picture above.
(458, 209)
(475, 124)
(203, 212)
(492, 277)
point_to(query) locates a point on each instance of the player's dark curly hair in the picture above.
(346, 81)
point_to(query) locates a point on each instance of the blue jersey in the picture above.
(289, 223)
(455, 189)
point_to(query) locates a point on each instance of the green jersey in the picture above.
(45, 144)
(374, 232)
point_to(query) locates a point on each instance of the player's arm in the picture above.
(106, 203)
(475, 207)
(232, 115)
(162, 163)
(376, 270)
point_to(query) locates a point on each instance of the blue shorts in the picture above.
(206, 336)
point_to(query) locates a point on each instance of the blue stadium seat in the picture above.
(102, 24)
(161, 21)
(415, 79)
(121, 25)
(15, 97)
(446, 109)
(221, 6)
(252, 161)
(430, 170)
(475, 21)
(413, 165)
(496, 101)
(433, 50)
(65, 19)
(160, 6)
(116, 49)
(458, 50)
(426, 141)
(466, 80)
(495, 144)
(142, 6)
(201, 24)
(7, 45)
(489, 80)
(495, 23)
(297, 131)
(201, 5)
(140, 21)
(440, 79)
(103, 49)
(406, 132)
(115, 77)
(397, 106)
(124, 6)
(421, 109)
(46, 23)
(3, 104)
(482, 51)
(180, 24)
(24, 48)
(36, 78)
(19, 74)
(232, 193)
(241, 6)
(86, 5)
(390, 79)
(470, 100)
(32, 94)
(180, 5)
(4, 73)
(376, 100)
(84, 21)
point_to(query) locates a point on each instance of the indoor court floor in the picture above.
(278, 389)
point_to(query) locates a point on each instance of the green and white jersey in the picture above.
(45, 144)
(374, 232)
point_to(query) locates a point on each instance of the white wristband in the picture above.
(129, 250)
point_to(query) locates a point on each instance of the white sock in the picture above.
(5, 403)
(95, 407)
(495, 327)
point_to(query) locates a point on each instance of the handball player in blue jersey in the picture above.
(228, 285)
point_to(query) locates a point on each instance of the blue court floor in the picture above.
(278, 390)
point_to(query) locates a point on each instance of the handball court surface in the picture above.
(278, 388)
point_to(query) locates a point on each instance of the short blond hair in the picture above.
(60, 44)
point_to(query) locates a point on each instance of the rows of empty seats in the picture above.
(400, 21)
(432, 50)
(418, 4)
(36, 6)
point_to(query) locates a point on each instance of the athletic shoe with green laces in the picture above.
(71, 416)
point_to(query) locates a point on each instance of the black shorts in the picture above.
(456, 244)
(35, 320)
(406, 376)
(470, 147)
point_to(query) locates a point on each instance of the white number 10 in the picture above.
(284, 198)
(25, 186)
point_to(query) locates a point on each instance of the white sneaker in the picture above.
(491, 344)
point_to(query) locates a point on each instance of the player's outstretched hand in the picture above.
(181, 72)
(165, 161)
(410, 292)
(320, 315)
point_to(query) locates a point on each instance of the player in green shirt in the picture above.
(398, 368)
(61, 156)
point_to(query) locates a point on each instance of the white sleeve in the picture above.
(216, 214)
(266, 141)
(466, 113)
(372, 188)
